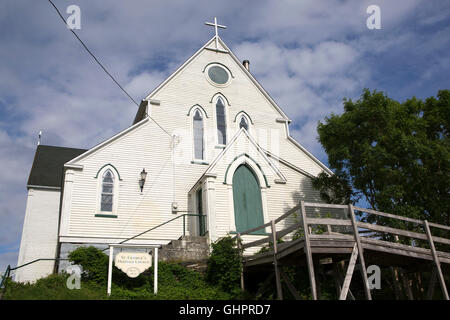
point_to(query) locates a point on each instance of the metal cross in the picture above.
(215, 25)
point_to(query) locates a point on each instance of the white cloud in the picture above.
(308, 82)
(142, 84)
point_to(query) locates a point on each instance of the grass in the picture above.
(175, 282)
(52, 287)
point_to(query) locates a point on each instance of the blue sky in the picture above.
(308, 55)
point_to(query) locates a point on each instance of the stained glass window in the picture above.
(243, 123)
(198, 135)
(221, 123)
(218, 74)
(107, 191)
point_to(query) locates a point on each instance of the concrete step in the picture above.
(199, 266)
(186, 248)
(194, 238)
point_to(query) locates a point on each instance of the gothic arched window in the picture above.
(221, 122)
(198, 135)
(243, 123)
(106, 204)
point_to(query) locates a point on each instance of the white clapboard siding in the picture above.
(280, 198)
(147, 146)
(190, 87)
(39, 235)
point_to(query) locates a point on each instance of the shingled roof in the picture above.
(48, 165)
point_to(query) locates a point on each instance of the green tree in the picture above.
(394, 155)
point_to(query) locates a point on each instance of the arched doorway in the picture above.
(248, 212)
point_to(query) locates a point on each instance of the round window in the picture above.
(218, 75)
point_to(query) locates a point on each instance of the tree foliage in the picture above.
(394, 155)
(333, 189)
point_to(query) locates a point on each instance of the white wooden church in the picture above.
(208, 143)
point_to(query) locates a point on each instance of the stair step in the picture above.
(180, 244)
(199, 266)
(186, 248)
(194, 238)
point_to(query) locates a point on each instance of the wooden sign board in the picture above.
(133, 263)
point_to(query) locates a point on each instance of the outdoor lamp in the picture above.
(142, 181)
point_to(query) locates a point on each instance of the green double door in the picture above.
(248, 211)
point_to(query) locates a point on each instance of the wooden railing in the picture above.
(305, 224)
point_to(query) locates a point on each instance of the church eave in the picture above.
(209, 172)
(106, 142)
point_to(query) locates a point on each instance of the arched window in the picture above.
(106, 204)
(243, 120)
(221, 122)
(243, 123)
(198, 135)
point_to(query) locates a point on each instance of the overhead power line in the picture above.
(103, 67)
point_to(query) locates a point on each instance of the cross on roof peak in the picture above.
(215, 25)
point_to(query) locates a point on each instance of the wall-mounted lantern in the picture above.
(142, 180)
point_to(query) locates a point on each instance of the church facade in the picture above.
(209, 144)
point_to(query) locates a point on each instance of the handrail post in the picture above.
(5, 276)
(110, 269)
(184, 225)
(275, 261)
(360, 252)
(307, 248)
(239, 245)
(436, 260)
(329, 229)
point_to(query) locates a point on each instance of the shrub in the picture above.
(95, 268)
(175, 282)
(224, 265)
(93, 261)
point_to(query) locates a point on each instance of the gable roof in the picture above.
(210, 170)
(244, 132)
(48, 163)
(72, 161)
(225, 50)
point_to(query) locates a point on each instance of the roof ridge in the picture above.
(46, 145)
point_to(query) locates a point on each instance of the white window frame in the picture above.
(100, 175)
(191, 119)
(230, 76)
(241, 115)
(226, 113)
